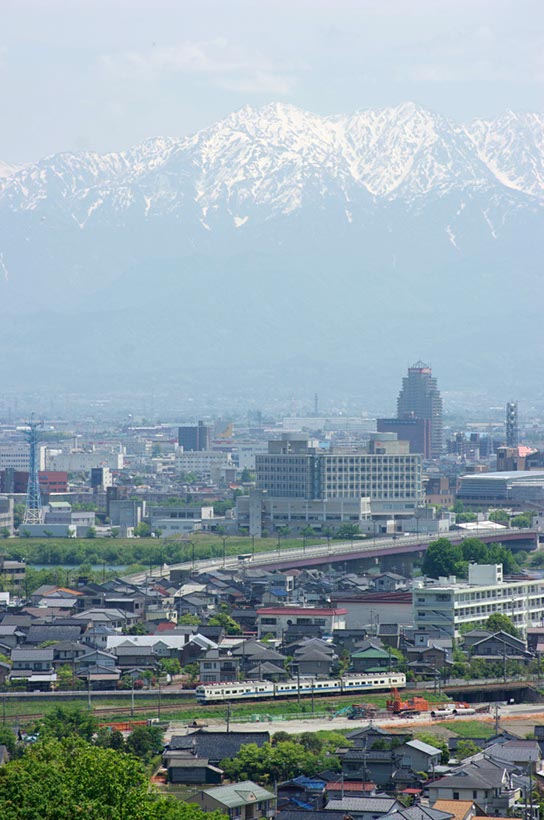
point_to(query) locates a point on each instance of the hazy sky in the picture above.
(105, 74)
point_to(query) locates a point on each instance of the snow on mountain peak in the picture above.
(277, 158)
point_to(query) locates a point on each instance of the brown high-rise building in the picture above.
(415, 431)
(420, 398)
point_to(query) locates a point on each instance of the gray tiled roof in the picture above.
(373, 804)
(217, 745)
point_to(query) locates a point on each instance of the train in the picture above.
(253, 690)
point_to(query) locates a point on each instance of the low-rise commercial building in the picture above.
(276, 620)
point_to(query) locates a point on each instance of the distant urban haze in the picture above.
(163, 223)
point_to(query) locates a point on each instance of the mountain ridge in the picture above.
(388, 224)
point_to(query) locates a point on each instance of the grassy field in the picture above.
(472, 728)
(143, 551)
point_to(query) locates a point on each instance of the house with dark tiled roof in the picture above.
(184, 767)
(216, 746)
(361, 807)
(488, 783)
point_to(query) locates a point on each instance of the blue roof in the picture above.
(309, 782)
(279, 592)
(302, 804)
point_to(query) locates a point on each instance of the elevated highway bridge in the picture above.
(355, 551)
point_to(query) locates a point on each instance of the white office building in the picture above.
(449, 604)
(16, 455)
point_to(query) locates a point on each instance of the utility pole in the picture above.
(228, 715)
(159, 703)
(497, 726)
(132, 700)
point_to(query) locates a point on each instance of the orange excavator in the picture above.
(411, 706)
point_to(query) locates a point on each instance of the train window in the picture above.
(382, 681)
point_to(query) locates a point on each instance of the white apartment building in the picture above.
(448, 604)
(16, 456)
(204, 463)
(79, 461)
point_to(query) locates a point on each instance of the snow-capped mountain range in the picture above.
(398, 207)
(264, 162)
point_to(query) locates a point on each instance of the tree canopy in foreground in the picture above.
(69, 778)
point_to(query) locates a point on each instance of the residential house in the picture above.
(474, 636)
(238, 801)
(129, 656)
(42, 633)
(216, 746)
(488, 783)
(314, 662)
(363, 807)
(372, 657)
(276, 620)
(428, 661)
(523, 754)
(419, 756)
(182, 767)
(302, 793)
(34, 666)
(218, 666)
(388, 582)
(11, 636)
(67, 652)
(267, 671)
(500, 646)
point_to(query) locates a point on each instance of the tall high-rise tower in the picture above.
(512, 431)
(33, 510)
(420, 398)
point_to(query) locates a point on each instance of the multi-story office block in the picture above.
(194, 437)
(386, 472)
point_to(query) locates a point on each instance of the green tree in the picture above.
(189, 620)
(145, 741)
(347, 530)
(247, 476)
(281, 761)
(311, 742)
(117, 740)
(524, 519)
(442, 558)
(91, 532)
(499, 516)
(142, 530)
(230, 626)
(170, 666)
(8, 739)
(4, 532)
(65, 676)
(66, 721)
(497, 622)
(474, 550)
(192, 670)
(62, 780)
(466, 748)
